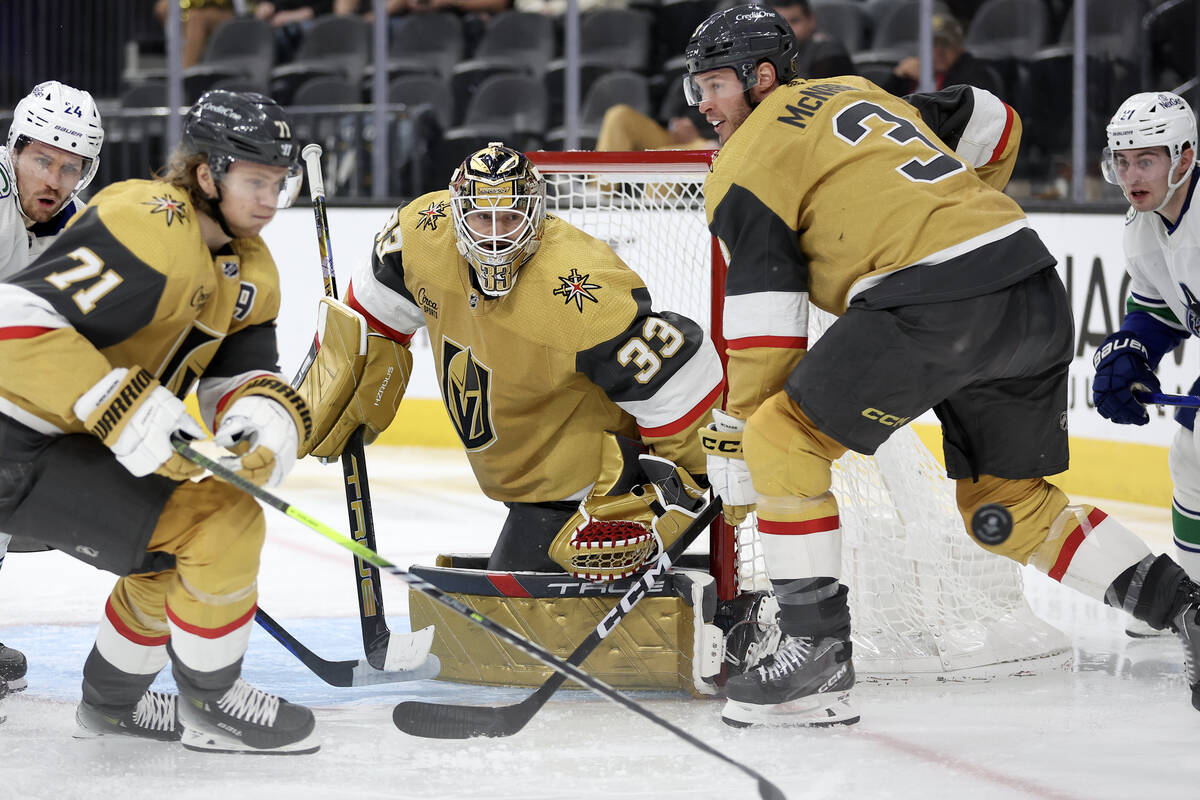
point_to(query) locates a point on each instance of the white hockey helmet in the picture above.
(491, 182)
(63, 117)
(1151, 119)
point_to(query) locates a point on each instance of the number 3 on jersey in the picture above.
(90, 266)
(850, 125)
(642, 353)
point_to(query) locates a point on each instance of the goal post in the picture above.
(924, 597)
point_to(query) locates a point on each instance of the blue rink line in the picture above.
(56, 654)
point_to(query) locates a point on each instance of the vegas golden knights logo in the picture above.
(466, 387)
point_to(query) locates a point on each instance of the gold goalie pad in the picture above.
(356, 380)
(640, 505)
(666, 642)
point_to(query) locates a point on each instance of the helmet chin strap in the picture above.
(219, 215)
(1171, 185)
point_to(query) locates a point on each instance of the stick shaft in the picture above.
(1162, 399)
(765, 787)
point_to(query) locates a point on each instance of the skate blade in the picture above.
(207, 742)
(813, 711)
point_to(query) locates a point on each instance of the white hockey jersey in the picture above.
(1164, 266)
(20, 245)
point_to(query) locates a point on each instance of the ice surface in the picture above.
(1118, 726)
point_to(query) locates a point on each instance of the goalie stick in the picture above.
(1161, 399)
(447, 721)
(354, 673)
(377, 636)
(766, 789)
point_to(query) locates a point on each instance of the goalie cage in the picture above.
(925, 599)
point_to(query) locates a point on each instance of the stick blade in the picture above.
(438, 721)
(769, 791)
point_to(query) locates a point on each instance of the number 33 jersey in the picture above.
(837, 192)
(532, 379)
(132, 282)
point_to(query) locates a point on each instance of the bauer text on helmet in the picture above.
(1147, 138)
(65, 119)
(244, 126)
(498, 204)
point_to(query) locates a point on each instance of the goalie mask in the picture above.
(498, 203)
(740, 38)
(63, 117)
(1149, 119)
(244, 126)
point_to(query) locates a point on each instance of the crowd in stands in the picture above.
(485, 69)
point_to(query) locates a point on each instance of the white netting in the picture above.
(924, 597)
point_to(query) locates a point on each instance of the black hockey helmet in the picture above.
(242, 126)
(741, 38)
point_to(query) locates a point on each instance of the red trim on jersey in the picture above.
(688, 418)
(212, 633)
(507, 584)
(23, 331)
(128, 633)
(391, 333)
(1074, 539)
(1008, 125)
(782, 342)
(818, 525)
(225, 397)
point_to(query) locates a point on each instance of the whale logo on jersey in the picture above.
(1193, 310)
(466, 389)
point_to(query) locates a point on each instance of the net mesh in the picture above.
(925, 599)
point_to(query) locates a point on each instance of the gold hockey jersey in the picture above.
(131, 281)
(836, 192)
(531, 380)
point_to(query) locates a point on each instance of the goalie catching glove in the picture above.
(135, 417)
(263, 422)
(637, 509)
(357, 380)
(727, 471)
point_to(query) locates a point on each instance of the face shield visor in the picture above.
(718, 84)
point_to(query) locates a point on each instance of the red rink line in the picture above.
(941, 759)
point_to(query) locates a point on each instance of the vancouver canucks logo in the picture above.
(577, 287)
(466, 389)
(430, 216)
(169, 207)
(1193, 310)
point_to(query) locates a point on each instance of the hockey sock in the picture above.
(815, 607)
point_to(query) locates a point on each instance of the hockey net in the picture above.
(925, 599)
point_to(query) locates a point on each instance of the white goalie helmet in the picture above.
(1150, 119)
(63, 117)
(498, 204)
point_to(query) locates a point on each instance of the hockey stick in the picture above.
(1160, 399)
(350, 673)
(377, 637)
(446, 721)
(766, 789)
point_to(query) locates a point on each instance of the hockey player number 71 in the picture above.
(90, 266)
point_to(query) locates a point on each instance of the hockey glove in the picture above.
(263, 423)
(1122, 364)
(620, 526)
(136, 417)
(357, 380)
(727, 472)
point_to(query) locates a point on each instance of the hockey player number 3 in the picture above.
(638, 351)
(850, 126)
(90, 266)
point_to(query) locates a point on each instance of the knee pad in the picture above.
(785, 452)
(1032, 503)
(216, 532)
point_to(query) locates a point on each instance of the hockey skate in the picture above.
(246, 720)
(12, 668)
(751, 629)
(155, 716)
(805, 683)
(1187, 627)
